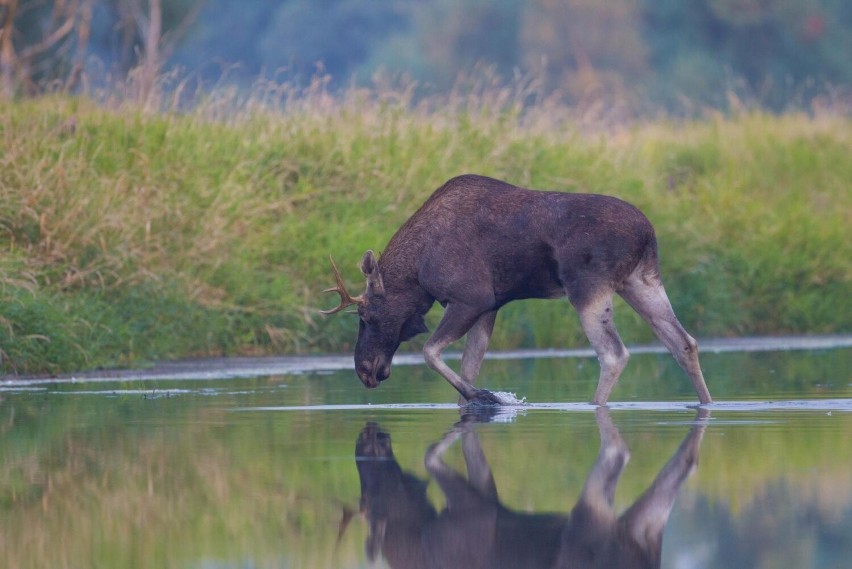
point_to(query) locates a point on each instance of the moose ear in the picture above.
(370, 269)
(411, 327)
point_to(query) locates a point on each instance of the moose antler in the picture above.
(345, 298)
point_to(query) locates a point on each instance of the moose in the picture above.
(479, 243)
(476, 530)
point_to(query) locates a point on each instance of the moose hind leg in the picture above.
(648, 297)
(596, 319)
(598, 493)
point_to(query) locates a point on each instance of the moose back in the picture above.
(479, 243)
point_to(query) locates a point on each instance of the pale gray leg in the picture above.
(596, 318)
(648, 297)
(598, 495)
(434, 455)
(480, 478)
(478, 472)
(457, 320)
(476, 344)
(646, 518)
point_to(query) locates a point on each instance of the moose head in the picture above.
(385, 320)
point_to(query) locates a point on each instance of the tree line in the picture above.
(674, 54)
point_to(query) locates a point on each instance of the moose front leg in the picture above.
(479, 488)
(457, 321)
(476, 344)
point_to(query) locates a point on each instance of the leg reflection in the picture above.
(476, 530)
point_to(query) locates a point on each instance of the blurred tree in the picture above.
(226, 40)
(8, 10)
(681, 54)
(45, 44)
(592, 50)
(684, 54)
(336, 36)
(448, 38)
(42, 43)
(772, 52)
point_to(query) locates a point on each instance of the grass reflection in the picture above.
(187, 481)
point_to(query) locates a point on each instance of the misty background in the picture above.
(678, 55)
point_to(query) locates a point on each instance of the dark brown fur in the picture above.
(478, 243)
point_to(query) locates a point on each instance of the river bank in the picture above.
(131, 237)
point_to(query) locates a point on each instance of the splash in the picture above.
(504, 399)
(506, 410)
(510, 399)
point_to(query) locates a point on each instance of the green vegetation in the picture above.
(130, 236)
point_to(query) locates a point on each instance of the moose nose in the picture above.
(372, 372)
(381, 368)
(365, 374)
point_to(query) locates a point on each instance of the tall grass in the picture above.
(129, 236)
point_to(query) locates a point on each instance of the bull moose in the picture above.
(479, 243)
(476, 530)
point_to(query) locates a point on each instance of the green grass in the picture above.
(128, 236)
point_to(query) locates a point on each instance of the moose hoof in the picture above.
(483, 398)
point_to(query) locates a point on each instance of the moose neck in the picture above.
(399, 268)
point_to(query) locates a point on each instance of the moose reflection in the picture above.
(476, 531)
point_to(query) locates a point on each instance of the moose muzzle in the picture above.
(372, 372)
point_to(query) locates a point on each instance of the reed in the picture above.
(130, 235)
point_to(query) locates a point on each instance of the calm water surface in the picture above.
(308, 469)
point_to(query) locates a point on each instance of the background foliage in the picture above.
(129, 235)
(617, 56)
(147, 213)
(627, 53)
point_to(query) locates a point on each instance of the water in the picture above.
(291, 463)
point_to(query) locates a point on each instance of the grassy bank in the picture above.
(130, 236)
